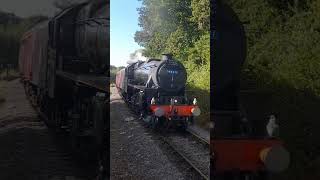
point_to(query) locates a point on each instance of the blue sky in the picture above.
(123, 25)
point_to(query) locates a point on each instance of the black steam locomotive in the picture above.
(63, 64)
(236, 153)
(156, 90)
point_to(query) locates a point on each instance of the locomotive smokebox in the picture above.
(171, 75)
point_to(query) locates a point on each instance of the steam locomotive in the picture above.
(63, 65)
(156, 90)
(235, 151)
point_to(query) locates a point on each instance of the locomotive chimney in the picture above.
(166, 56)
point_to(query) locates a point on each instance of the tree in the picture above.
(201, 14)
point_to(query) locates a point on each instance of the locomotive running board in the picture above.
(100, 82)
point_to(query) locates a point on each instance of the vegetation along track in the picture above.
(193, 149)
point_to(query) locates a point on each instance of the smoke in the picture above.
(137, 55)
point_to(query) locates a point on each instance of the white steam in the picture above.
(137, 56)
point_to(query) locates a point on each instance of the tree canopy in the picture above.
(283, 40)
(180, 27)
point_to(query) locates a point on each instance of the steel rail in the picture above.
(198, 136)
(206, 177)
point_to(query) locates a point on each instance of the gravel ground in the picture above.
(136, 153)
(28, 149)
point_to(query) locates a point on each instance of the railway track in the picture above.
(192, 148)
(193, 133)
(189, 146)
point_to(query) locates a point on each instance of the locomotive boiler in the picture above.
(156, 89)
(168, 75)
(92, 35)
(81, 34)
(255, 156)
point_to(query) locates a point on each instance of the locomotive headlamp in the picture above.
(196, 111)
(158, 112)
(272, 127)
(275, 159)
(153, 101)
(194, 101)
(171, 101)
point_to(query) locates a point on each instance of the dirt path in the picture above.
(29, 150)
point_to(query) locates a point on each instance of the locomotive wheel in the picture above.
(50, 118)
(57, 116)
(50, 113)
(44, 108)
(154, 122)
(161, 122)
(184, 125)
(74, 132)
(167, 124)
(190, 120)
(54, 116)
(99, 117)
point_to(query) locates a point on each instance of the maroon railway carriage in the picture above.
(120, 79)
(25, 55)
(33, 57)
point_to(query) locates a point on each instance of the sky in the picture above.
(26, 8)
(123, 25)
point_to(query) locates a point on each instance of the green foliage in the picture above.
(198, 64)
(178, 43)
(286, 46)
(10, 35)
(180, 27)
(200, 53)
(201, 14)
(155, 46)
